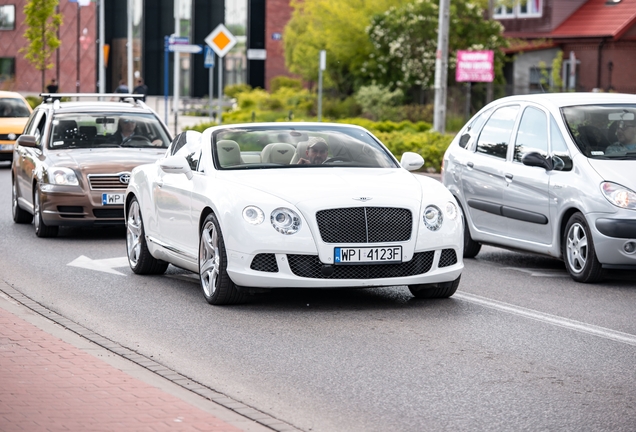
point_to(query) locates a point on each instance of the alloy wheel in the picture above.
(133, 233)
(209, 259)
(577, 248)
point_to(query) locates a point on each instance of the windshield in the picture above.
(98, 130)
(13, 107)
(302, 147)
(603, 131)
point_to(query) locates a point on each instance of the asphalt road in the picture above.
(519, 347)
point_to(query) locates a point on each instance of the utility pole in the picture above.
(322, 65)
(129, 45)
(441, 67)
(102, 71)
(489, 85)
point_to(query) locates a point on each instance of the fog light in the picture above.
(629, 247)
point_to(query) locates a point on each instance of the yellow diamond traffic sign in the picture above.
(221, 40)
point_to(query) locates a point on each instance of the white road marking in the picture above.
(603, 332)
(103, 265)
(540, 273)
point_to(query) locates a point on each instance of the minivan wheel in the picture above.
(578, 251)
(20, 215)
(41, 229)
(471, 247)
(218, 288)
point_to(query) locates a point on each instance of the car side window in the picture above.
(188, 145)
(532, 135)
(495, 136)
(38, 131)
(473, 129)
(558, 146)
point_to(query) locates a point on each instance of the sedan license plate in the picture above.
(367, 255)
(112, 199)
(7, 147)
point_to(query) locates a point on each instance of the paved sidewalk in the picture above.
(51, 384)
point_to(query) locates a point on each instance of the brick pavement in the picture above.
(49, 384)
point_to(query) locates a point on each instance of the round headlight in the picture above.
(62, 176)
(285, 221)
(451, 211)
(433, 218)
(253, 215)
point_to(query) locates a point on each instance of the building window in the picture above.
(7, 17)
(540, 79)
(518, 9)
(7, 69)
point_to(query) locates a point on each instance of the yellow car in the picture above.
(14, 113)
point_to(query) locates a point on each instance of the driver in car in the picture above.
(126, 131)
(316, 153)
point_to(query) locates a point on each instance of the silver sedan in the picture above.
(551, 174)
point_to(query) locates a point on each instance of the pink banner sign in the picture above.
(475, 66)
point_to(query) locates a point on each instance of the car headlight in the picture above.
(619, 195)
(62, 176)
(285, 221)
(451, 211)
(433, 218)
(253, 215)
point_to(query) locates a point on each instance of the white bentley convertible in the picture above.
(281, 205)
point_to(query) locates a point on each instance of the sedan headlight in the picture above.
(253, 215)
(451, 211)
(285, 221)
(62, 176)
(433, 218)
(619, 195)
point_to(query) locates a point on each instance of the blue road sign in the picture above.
(208, 57)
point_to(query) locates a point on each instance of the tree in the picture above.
(337, 26)
(41, 33)
(405, 42)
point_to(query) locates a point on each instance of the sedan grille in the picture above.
(5, 137)
(265, 262)
(309, 266)
(109, 181)
(365, 225)
(447, 258)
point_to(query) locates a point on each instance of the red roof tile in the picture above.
(596, 18)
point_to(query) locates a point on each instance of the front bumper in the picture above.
(73, 206)
(611, 235)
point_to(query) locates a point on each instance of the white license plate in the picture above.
(367, 255)
(113, 199)
(7, 146)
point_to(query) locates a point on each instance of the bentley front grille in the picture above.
(365, 225)
(309, 266)
(265, 262)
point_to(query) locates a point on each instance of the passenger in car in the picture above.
(316, 153)
(127, 130)
(625, 136)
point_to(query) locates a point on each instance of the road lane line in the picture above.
(603, 332)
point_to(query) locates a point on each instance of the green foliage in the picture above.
(41, 34)
(234, 89)
(341, 108)
(430, 145)
(284, 81)
(33, 100)
(552, 81)
(377, 101)
(337, 26)
(405, 42)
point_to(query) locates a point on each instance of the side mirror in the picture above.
(176, 165)
(537, 160)
(411, 161)
(557, 163)
(27, 141)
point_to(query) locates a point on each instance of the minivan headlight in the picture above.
(61, 176)
(619, 195)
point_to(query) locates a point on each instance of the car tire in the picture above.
(218, 288)
(42, 230)
(139, 257)
(578, 251)
(471, 247)
(20, 215)
(436, 290)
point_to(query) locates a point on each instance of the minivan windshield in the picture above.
(92, 130)
(603, 131)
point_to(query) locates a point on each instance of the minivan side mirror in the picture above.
(537, 160)
(176, 165)
(27, 141)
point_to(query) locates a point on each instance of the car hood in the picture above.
(298, 186)
(107, 160)
(13, 125)
(617, 171)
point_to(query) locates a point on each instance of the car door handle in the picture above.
(470, 164)
(508, 177)
(160, 184)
